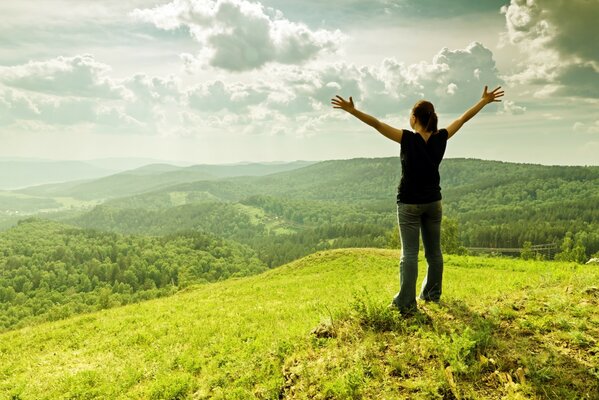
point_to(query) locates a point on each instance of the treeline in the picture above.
(277, 249)
(11, 204)
(538, 223)
(257, 221)
(318, 212)
(50, 271)
(490, 224)
(220, 218)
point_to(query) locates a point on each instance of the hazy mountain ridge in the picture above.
(153, 177)
(21, 174)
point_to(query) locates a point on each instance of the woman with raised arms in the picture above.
(419, 209)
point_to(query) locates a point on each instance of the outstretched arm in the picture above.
(487, 97)
(387, 130)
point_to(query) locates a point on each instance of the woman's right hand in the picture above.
(340, 102)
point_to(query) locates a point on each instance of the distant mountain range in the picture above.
(19, 173)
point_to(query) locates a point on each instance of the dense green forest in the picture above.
(50, 271)
(279, 230)
(496, 204)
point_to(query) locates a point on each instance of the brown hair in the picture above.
(424, 111)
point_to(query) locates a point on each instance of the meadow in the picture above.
(319, 328)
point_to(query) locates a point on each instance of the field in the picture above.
(319, 328)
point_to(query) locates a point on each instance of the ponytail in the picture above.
(431, 125)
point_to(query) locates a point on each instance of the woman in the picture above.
(419, 194)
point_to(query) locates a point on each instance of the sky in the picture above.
(224, 81)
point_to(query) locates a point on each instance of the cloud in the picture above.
(146, 88)
(509, 107)
(150, 96)
(77, 90)
(453, 81)
(238, 35)
(287, 96)
(592, 127)
(16, 106)
(234, 97)
(80, 75)
(558, 40)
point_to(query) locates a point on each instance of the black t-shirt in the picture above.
(420, 167)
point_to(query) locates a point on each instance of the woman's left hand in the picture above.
(490, 97)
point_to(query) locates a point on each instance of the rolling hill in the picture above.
(153, 177)
(496, 204)
(319, 328)
(370, 180)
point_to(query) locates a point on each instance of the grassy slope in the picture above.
(506, 328)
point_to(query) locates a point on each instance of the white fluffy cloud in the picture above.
(558, 38)
(217, 96)
(150, 99)
(77, 90)
(16, 106)
(80, 75)
(286, 96)
(146, 88)
(509, 107)
(453, 81)
(238, 35)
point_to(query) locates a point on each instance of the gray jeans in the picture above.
(413, 219)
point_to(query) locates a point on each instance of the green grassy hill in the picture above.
(319, 328)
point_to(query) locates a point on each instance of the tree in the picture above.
(572, 249)
(527, 253)
(450, 238)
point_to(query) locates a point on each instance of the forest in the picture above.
(81, 250)
(51, 271)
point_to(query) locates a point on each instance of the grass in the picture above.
(319, 328)
(178, 198)
(278, 226)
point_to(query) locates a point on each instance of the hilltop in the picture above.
(318, 327)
